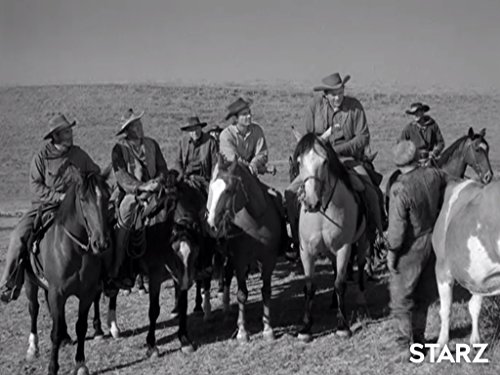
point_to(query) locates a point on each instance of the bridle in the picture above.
(475, 163)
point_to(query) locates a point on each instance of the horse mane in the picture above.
(335, 166)
(448, 152)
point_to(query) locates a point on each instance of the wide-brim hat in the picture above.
(193, 123)
(237, 106)
(128, 118)
(332, 82)
(404, 153)
(215, 128)
(57, 123)
(415, 107)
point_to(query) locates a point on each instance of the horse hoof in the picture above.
(344, 333)
(198, 311)
(98, 336)
(82, 370)
(268, 335)
(242, 337)
(305, 337)
(115, 332)
(67, 341)
(31, 355)
(187, 349)
(142, 292)
(153, 353)
(126, 292)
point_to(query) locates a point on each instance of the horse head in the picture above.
(227, 193)
(84, 210)
(477, 155)
(319, 169)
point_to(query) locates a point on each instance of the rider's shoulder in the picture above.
(352, 102)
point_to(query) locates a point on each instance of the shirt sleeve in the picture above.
(439, 140)
(161, 164)
(227, 146)
(124, 179)
(398, 217)
(357, 144)
(39, 190)
(259, 161)
(309, 118)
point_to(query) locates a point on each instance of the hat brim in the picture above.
(324, 87)
(424, 108)
(189, 128)
(58, 129)
(129, 121)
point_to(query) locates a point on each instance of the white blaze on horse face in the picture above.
(217, 187)
(184, 251)
(453, 199)
(483, 146)
(481, 266)
(310, 165)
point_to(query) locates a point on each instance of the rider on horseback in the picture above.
(48, 185)
(197, 155)
(341, 121)
(424, 132)
(244, 141)
(140, 169)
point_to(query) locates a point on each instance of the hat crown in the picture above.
(58, 120)
(332, 80)
(194, 120)
(129, 113)
(237, 106)
(405, 153)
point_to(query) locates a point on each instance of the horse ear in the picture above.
(482, 133)
(106, 172)
(471, 133)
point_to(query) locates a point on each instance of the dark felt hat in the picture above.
(193, 123)
(57, 123)
(237, 106)
(332, 82)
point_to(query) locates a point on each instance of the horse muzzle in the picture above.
(488, 176)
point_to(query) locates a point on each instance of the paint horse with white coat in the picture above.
(466, 240)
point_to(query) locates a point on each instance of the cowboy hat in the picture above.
(237, 106)
(128, 118)
(57, 123)
(415, 107)
(215, 128)
(332, 82)
(193, 123)
(405, 153)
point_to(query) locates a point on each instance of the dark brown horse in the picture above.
(241, 211)
(71, 257)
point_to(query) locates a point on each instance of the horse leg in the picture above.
(309, 291)
(343, 255)
(242, 297)
(114, 330)
(81, 331)
(362, 248)
(56, 303)
(207, 307)
(175, 311)
(198, 309)
(31, 290)
(154, 312)
(228, 276)
(267, 332)
(474, 310)
(96, 322)
(445, 289)
(186, 345)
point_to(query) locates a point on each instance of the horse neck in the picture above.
(455, 164)
(72, 219)
(251, 186)
(336, 192)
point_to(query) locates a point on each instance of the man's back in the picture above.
(415, 201)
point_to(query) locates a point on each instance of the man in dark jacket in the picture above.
(424, 132)
(197, 154)
(415, 200)
(140, 169)
(48, 185)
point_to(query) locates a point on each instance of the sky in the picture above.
(419, 44)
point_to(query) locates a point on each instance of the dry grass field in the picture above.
(23, 117)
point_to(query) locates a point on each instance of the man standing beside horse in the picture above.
(48, 186)
(140, 169)
(340, 120)
(415, 201)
